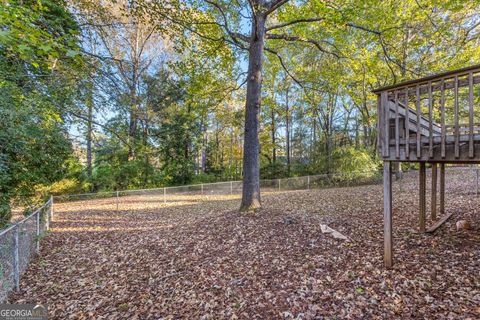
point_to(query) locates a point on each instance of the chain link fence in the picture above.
(151, 198)
(19, 243)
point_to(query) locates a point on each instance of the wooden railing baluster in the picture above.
(442, 106)
(470, 119)
(430, 118)
(417, 104)
(407, 126)
(397, 129)
(455, 114)
(386, 123)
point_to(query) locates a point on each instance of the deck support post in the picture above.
(387, 213)
(433, 211)
(422, 203)
(442, 189)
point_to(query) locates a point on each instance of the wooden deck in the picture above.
(434, 119)
(430, 120)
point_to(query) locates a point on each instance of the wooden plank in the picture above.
(422, 202)
(407, 127)
(436, 155)
(386, 124)
(448, 84)
(455, 115)
(397, 128)
(418, 135)
(379, 126)
(442, 107)
(442, 188)
(447, 74)
(412, 115)
(430, 120)
(470, 118)
(437, 224)
(387, 214)
(433, 203)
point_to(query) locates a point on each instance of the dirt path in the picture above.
(204, 260)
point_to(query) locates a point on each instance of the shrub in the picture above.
(353, 163)
(68, 186)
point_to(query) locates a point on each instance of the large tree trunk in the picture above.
(251, 156)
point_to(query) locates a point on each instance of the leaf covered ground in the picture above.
(198, 258)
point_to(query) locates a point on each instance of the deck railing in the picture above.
(442, 122)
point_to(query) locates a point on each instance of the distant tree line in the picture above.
(108, 95)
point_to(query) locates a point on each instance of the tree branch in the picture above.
(102, 126)
(294, 22)
(274, 5)
(300, 39)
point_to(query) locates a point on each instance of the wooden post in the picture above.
(308, 182)
(164, 195)
(231, 187)
(16, 259)
(442, 189)
(278, 184)
(387, 213)
(422, 202)
(433, 208)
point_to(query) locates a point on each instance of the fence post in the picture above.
(38, 231)
(231, 187)
(278, 184)
(16, 260)
(202, 187)
(47, 219)
(51, 207)
(117, 200)
(308, 182)
(164, 195)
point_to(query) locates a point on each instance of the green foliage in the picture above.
(354, 163)
(36, 44)
(69, 186)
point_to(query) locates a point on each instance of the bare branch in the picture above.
(294, 22)
(280, 59)
(353, 25)
(79, 116)
(301, 39)
(274, 5)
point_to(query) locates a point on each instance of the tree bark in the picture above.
(251, 157)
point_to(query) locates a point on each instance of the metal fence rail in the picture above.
(124, 199)
(19, 243)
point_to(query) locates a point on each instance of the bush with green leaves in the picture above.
(353, 164)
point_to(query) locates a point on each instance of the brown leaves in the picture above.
(201, 259)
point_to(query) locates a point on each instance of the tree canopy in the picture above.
(105, 95)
